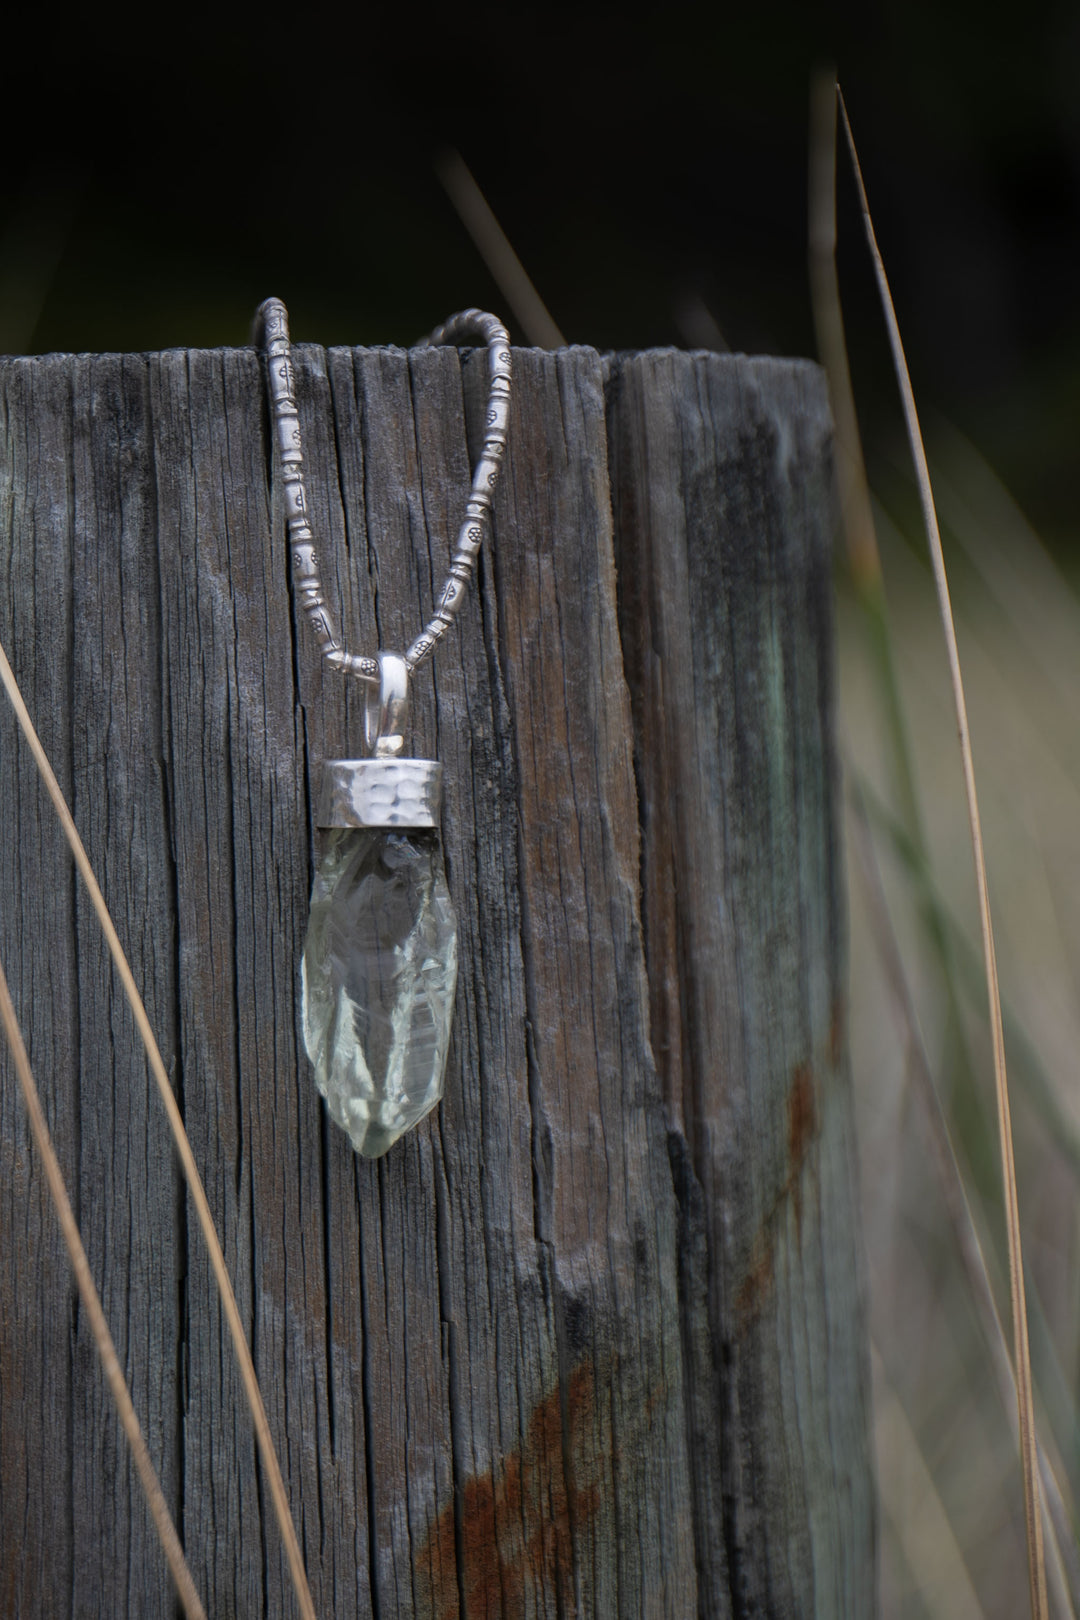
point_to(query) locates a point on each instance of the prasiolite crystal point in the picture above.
(378, 979)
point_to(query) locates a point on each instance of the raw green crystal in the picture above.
(378, 980)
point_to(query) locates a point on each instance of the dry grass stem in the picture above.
(183, 1146)
(95, 1315)
(493, 246)
(855, 510)
(1021, 1350)
(1065, 1576)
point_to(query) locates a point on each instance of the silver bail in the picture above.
(386, 708)
(384, 790)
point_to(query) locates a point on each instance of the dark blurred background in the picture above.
(651, 173)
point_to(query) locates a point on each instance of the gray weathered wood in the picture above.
(589, 1341)
(723, 517)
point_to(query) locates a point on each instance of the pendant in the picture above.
(379, 970)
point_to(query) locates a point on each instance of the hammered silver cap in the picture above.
(380, 793)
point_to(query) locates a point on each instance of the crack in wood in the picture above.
(560, 1354)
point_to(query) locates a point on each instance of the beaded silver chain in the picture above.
(272, 326)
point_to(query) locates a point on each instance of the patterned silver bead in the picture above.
(272, 331)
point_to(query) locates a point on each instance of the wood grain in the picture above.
(724, 517)
(589, 1341)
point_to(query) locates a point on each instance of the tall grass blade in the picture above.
(1014, 563)
(860, 527)
(1064, 1570)
(183, 1146)
(493, 246)
(95, 1315)
(918, 1516)
(1021, 1352)
(1027, 1065)
(855, 509)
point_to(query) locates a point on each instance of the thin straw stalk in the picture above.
(825, 306)
(493, 246)
(95, 1315)
(1021, 1352)
(1027, 1065)
(183, 1146)
(857, 516)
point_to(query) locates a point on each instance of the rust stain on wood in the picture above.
(685, 460)
(803, 1127)
(758, 1280)
(518, 1519)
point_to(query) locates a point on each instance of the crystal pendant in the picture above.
(378, 978)
(380, 960)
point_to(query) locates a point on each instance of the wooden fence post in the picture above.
(590, 1340)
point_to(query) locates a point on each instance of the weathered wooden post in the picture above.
(589, 1341)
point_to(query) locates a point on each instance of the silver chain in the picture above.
(272, 327)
